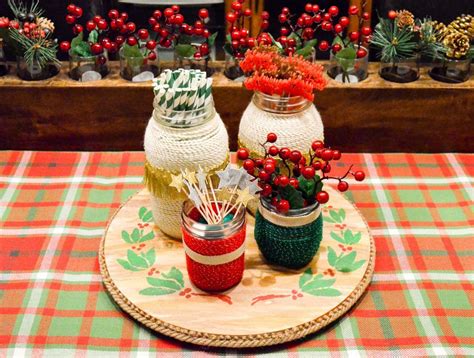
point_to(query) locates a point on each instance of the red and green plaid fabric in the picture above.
(54, 207)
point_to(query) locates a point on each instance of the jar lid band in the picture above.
(214, 260)
(289, 221)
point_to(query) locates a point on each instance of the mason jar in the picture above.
(450, 70)
(294, 119)
(88, 68)
(35, 71)
(214, 253)
(191, 63)
(139, 69)
(292, 239)
(175, 141)
(401, 71)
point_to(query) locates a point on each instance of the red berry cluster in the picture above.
(296, 30)
(5, 22)
(282, 167)
(199, 29)
(238, 35)
(166, 25)
(27, 27)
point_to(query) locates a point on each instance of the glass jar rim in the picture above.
(292, 212)
(121, 54)
(185, 119)
(455, 60)
(280, 104)
(92, 56)
(211, 232)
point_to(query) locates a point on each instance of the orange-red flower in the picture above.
(272, 73)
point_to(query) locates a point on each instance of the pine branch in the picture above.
(39, 51)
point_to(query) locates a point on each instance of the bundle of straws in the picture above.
(217, 205)
(182, 90)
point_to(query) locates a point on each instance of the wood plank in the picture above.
(111, 114)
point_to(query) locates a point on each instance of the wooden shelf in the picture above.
(111, 114)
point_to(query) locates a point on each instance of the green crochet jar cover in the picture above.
(291, 247)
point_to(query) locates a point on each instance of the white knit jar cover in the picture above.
(294, 130)
(173, 149)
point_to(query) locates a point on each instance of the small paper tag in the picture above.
(90, 76)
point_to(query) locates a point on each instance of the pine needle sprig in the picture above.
(39, 51)
(428, 34)
(395, 43)
(18, 7)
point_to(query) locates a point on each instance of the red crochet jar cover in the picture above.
(215, 277)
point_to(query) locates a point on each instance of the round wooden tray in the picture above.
(145, 272)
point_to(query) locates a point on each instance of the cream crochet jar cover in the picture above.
(169, 150)
(295, 129)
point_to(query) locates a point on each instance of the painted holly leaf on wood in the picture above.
(335, 216)
(166, 284)
(347, 237)
(342, 262)
(317, 285)
(137, 236)
(145, 215)
(138, 262)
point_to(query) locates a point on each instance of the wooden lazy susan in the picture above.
(145, 272)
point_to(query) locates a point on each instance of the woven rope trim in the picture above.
(158, 180)
(235, 341)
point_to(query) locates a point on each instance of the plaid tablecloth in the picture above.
(54, 208)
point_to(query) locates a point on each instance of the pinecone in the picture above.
(457, 44)
(439, 30)
(405, 18)
(464, 24)
(45, 23)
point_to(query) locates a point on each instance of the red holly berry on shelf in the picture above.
(288, 180)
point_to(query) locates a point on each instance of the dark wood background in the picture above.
(111, 114)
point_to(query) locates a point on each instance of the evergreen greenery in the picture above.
(395, 43)
(40, 51)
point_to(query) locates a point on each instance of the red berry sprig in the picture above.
(199, 30)
(238, 35)
(282, 172)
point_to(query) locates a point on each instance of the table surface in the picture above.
(54, 207)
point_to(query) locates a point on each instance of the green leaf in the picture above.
(335, 216)
(155, 291)
(136, 260)
(317, 283)
(146, 215)
(212, 39)
(176, 275)
(297, 38)
(307, 49)
(135, 235)
(342, 214)
(132, 51)
(77, 40)
(356, 265)
(346, 58)
(147, 237)
(150, 256)
(141, 212)
(350, 238)
(187, 39)
(126, 237)
(307, 186)
(329, 292)
(275, 43)
(93, 36)
(228, 49)
(126, 265)
(336, 237)
(328, 219)
(345, 262)
(185, 50)
(161, 283)
(294, 196)
(82, 49)
(332, 256)
(305, 277)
